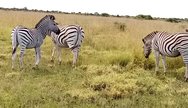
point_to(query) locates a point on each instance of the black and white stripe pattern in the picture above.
(166, 44)
(32, 38)
(71, 36)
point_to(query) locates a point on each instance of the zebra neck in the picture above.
(150, 38)
(43, 31)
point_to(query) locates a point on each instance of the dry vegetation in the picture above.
(111, 70)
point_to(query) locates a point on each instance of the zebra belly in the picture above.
(173, 54)
(64, 45)
(29, 46)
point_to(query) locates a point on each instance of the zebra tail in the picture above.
(79, 35)
(14, 39)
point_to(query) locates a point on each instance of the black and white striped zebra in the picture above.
(32, 38)
(71, 36)
(166, 44)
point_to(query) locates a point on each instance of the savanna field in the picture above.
(111, 71)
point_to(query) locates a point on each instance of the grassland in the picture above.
(111, 71)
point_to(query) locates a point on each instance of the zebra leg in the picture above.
(186, 73)
(38, 55)
(53, 52)
(156, 60)
(164, 63)
(184, 54)
(21, 56)
(75, 57)
(59, 54)
(14, 55)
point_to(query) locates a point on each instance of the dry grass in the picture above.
(111, 70)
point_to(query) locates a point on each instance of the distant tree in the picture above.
(25, 8)
(127, 16)
(96, 14)
(72, 12)
(147, 17)
(79, 13)
(173, 20)
(105, 14)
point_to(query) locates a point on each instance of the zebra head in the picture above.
(47, 25)
(148, 43)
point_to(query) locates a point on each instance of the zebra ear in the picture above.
(51, 17)
(143, 41)
(156, 32)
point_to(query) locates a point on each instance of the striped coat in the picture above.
(71, 36)
(166, 44)
(32, 38)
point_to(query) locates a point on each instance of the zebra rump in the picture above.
(71, 36)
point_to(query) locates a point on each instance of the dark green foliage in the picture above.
(105, 15)
(146, 17)
(96, 14)
(173, 20)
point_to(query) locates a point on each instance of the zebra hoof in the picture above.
(165, 73)
(59, 63)
(13, 68)
(35, 67)
(52, 60)
(186, 79)
(73, 66)
(21, 69)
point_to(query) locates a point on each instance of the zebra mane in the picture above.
(150, 36)
(50, 17)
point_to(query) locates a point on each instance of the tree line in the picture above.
(140, 16)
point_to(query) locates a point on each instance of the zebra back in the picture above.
(71, 36)
(44, 18)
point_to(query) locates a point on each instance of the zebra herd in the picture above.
(71, 36)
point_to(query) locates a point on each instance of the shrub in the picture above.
(173, 20)
(120, 26)
(105, 14)
(147, 17)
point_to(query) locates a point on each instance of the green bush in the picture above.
(105, 15)
(173, 20)
(147, 17)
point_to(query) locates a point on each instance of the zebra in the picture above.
(166, 44)
(32, 38)
(71, 36)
